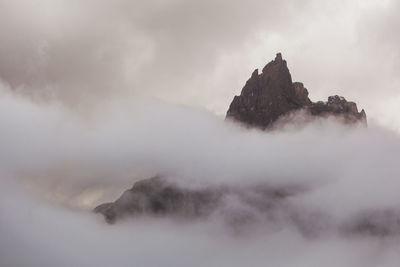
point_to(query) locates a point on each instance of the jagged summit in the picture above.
(278, 57)
(269, 95)
(276, 65)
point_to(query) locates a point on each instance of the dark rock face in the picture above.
(158, 197)
(268, 96)
(241, 206)
(338, 106)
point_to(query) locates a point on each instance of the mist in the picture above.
(97, 95)
(56, 167)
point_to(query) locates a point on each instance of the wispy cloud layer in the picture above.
(55, 167)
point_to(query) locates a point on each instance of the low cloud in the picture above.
(56, 167)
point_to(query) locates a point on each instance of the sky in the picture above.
(95, 95)
(200, 53)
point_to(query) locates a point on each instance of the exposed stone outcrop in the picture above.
(239, 206)
(268, 96)
(157, 196)
(338, 106)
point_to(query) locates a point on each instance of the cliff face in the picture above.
(268, 96)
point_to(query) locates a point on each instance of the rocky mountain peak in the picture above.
(278, 57)
(268, 96)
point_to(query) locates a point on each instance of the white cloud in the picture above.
(55, 166)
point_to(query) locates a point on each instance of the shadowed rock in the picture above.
(241, 207)
(271, 95)
(158, 197)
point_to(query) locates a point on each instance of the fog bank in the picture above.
(56, 166)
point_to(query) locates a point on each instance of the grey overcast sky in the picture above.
(200, 53)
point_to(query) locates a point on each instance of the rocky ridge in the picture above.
(272, 95)
(259, 204)
(158, 196)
